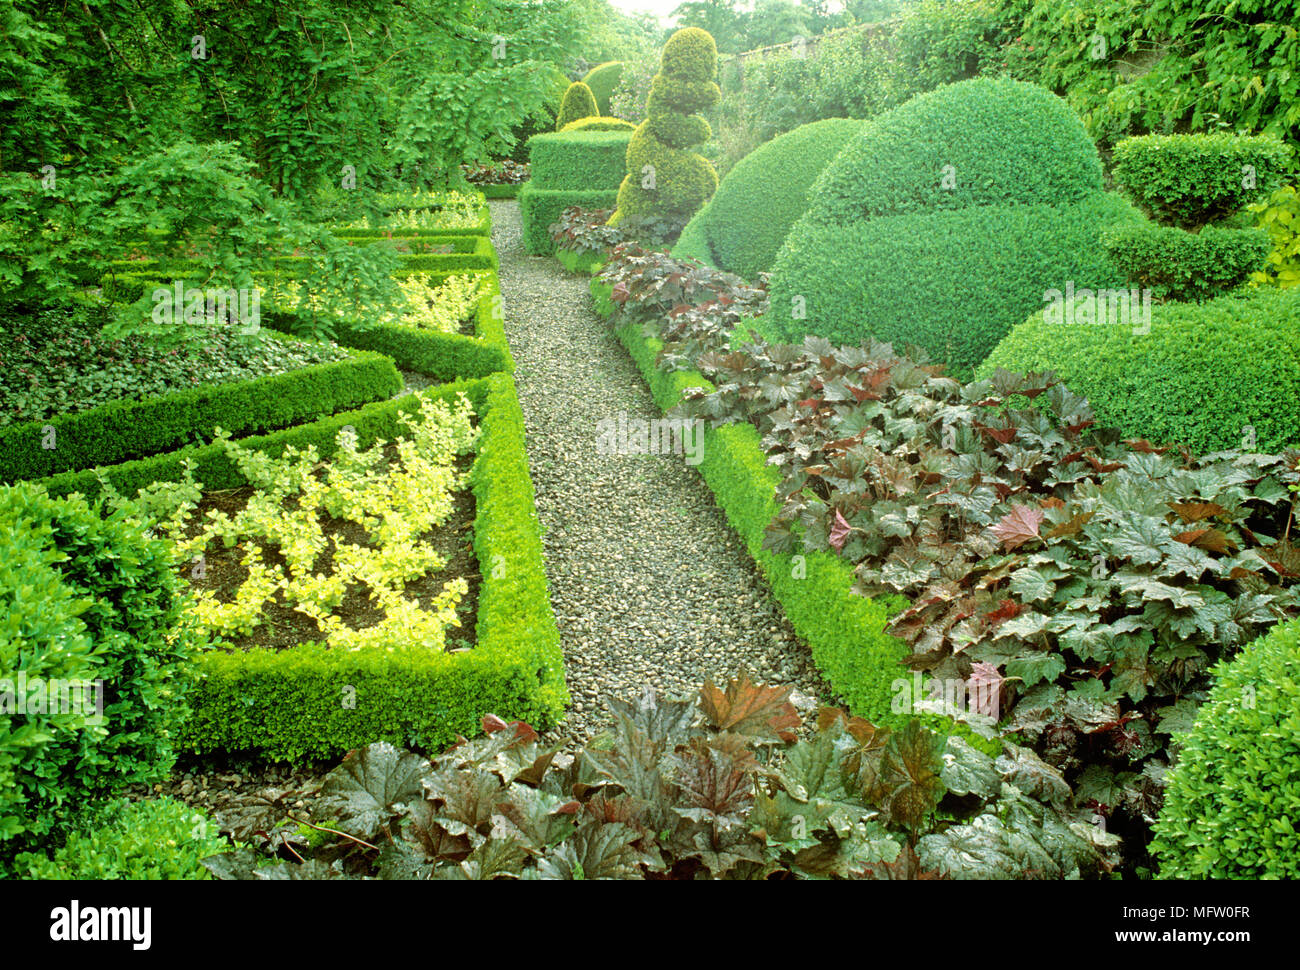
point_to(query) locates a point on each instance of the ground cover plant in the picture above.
(1091, 581)
(343, 553)
(716, 786)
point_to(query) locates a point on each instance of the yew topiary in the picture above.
(578, 102)
(664, 178)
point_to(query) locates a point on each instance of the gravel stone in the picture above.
(649, 583)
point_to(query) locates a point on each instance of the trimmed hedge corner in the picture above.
(314, 702)
(539, 208)
(129, 429)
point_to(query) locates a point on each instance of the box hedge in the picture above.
(755, 206)
(951, 282)
(127, 429)
(578, 160)
(539, 208)
(311, 701)
(603, 81)
(1234, 793)
(1180, 265)
(984, 142)
(1203, 376)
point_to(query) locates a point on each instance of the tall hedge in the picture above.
(664, 177)
(1234, 793)
(750, 215)
(1212, 375)
(944, 222)
(574, 167)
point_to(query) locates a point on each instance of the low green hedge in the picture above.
(951, 282)
(442, 356)
(1203, 373)
(844, 631)
(290, 704)
(578, 160)
(1181, 265)
(1234, 793)
(505, 191)
(539, 208)
(129, 429)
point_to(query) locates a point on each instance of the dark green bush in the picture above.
(603, 80)
(953, 283)
(765, 194)
(580, 161)
(578, 102)
(1180, 265)
(1204, 373)
(116, 591)
(981, 142)
(156, 839)
(1234, 794)
(1190, 180)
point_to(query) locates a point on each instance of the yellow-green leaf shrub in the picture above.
(578, 102)
(1279, 216)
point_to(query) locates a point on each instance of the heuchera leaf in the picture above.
(370, 786)
(751, 709)
(1018, 526)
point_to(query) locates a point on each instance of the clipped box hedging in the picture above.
(580, 160)
(983, 142)
(442, 356)
(755, 206)
(951, 282)
(290, 704)
(127, 429)
(693, 243)
(502, 191)
(1203, 373)
(844, 632)
(1234, 793)
(1189, 180)
(603, 81)
(1180, 265)
(539, 208)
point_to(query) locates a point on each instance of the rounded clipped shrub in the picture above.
(599, 123)
(664, 178)
(1189, 180)
(750, 215)
(1234, 793)
(1181, 265)
(987, 141)
(952, 283)
(578, 102)
(1216, 375)
(109, 611)
(603, 81)
(157, 839)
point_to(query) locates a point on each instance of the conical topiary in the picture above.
(664, 178)
(578, 102)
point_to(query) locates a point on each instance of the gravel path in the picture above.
(649, 583)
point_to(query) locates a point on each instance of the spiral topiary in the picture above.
(664, 178)
(578, 102)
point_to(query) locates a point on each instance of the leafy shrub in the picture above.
(123, 839)
(603, 80)
(765, 194)
(1180, 265)
(1209, 376)
(599, 123)
(663, 177)
(713, 788)
(111, 611)
(978, 143)
(1234, 793)
(578, 102)
(1279, 216)
(951, 282)
(1191, 180)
